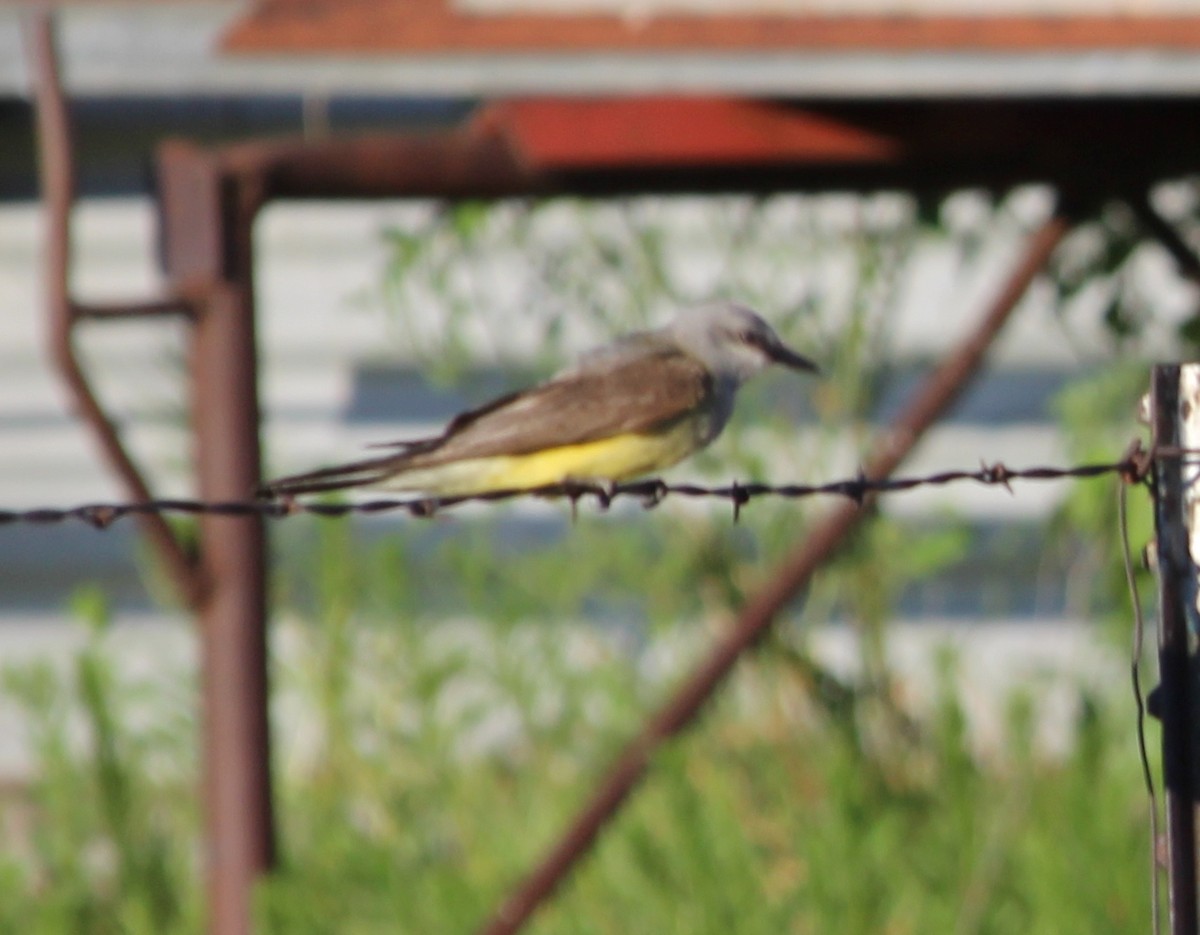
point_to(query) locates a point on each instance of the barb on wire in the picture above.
(1133, 467)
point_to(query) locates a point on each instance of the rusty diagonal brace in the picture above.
(57, 173)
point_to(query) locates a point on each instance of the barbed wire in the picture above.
(1133, 467)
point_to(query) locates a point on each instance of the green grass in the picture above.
(440, 762)
(747, 824)
(104, 838)
(424, 765)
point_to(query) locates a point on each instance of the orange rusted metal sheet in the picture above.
(553, 134)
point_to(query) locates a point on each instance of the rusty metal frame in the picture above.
(209, 199)
(238, 809)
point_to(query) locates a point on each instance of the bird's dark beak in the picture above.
(785, 356)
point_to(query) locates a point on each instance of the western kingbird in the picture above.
(639, 405)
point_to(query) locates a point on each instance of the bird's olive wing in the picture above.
(636, 395)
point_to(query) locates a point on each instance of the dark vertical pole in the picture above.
(1176, 573)
(237, 779)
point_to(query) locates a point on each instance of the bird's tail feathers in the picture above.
(339, 477)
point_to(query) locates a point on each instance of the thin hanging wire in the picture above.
(1139, 634)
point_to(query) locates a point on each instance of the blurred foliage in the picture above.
(104, 840)
(1110, 267)
(564, 273)
(1096, 414)
(442, 695)
(424, 768)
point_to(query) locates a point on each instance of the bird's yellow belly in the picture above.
(619, 458)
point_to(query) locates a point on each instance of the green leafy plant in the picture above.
(109, 830)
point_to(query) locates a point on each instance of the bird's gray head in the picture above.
(734, 342)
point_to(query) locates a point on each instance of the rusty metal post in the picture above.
(208, 220)
(1175, 411)
(939, 391)
(237, 772)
